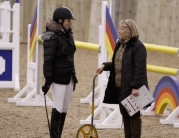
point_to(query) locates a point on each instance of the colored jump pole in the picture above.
(82, 45)
(162, 49)
(87, 46)
(162, 70)
(149, 47)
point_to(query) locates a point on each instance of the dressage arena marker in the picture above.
(9, 51)
(32, 90)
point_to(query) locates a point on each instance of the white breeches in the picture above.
(62, 96)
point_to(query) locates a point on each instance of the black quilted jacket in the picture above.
(133, 73)
(59, 49)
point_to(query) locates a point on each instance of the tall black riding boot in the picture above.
(136, 127)
(127, 128)
(55, 118)
(61, 123)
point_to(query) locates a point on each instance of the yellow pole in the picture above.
(83, 45)
(88, 46)
(150, 47)
(162, 49)
(39, 38)
(162, 70)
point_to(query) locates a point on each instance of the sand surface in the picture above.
(30, 122)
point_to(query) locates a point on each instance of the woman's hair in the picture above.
(131, 25)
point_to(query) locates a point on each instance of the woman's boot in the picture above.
(55, 118)
(127, 128)
(136, 125)
(61, 123)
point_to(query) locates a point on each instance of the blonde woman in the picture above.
(127, 74)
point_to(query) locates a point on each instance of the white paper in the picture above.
(134, 104)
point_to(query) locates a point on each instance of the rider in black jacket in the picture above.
(58, 67)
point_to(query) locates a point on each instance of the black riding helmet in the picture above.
(62, 13)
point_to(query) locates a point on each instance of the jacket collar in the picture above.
(130, 43)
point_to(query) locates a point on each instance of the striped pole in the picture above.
(33, 34)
